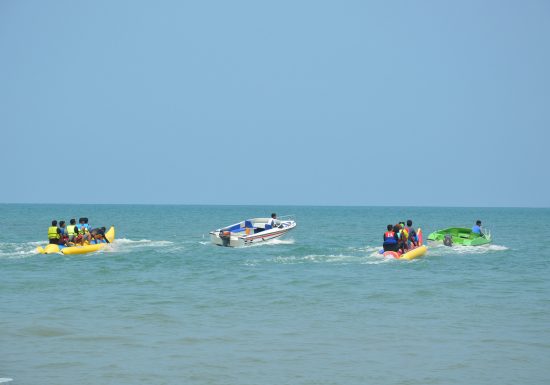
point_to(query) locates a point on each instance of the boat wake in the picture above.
(439, 249)
(19, 250)
(125, 244)
(371, 251)
(372, 258)
(272, 242)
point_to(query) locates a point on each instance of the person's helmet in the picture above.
(409, 222)
(54, 223)
(389, 227)
(73, 221)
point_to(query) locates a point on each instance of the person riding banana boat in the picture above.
(403, 242)
(74, 234)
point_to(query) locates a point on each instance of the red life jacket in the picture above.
(389, 236)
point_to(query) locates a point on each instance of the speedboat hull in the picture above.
(461, 236)
(248, 232)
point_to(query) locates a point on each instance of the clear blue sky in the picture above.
(283, 102)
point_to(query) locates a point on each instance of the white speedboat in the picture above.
(251, 231)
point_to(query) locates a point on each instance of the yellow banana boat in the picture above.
(416, 252)
(71, 250)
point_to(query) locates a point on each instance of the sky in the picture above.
(391, 103)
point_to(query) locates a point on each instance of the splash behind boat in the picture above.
(251, 231)
(71, 250)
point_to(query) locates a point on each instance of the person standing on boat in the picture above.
(54, 233)
(477, 228)
(391, 239)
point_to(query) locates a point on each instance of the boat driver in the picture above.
(477, 228)
(273, 221)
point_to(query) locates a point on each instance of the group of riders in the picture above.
(400, 237)
(75, 234)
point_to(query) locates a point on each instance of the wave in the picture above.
(272, 242)
(337, 259)
(142, 242)
(440, 249)
(19, 250)
(125, 244)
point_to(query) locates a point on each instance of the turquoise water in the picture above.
(319, 306)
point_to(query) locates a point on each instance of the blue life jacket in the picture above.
(476, 230)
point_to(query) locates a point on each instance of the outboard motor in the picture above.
(448, 240)
(225, 236)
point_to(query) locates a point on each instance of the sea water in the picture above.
(318, 306)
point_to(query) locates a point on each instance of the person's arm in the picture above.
(104, 237)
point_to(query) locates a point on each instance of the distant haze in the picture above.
(394, 103)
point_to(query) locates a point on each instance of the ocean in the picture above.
(319, 306)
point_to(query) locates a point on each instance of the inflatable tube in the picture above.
(418, 251)
(411, 254)
(72, 250)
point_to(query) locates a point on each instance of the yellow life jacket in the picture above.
(52, 232)
(71, 230)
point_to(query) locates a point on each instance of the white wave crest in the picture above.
(125, 244)
(338, 259)
(143, 242)
(19, 250)
(440, 249)
(272, 242)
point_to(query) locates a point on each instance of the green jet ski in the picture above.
(460, 236)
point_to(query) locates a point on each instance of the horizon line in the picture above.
(275, 205)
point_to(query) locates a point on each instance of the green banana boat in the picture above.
(461, 236)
